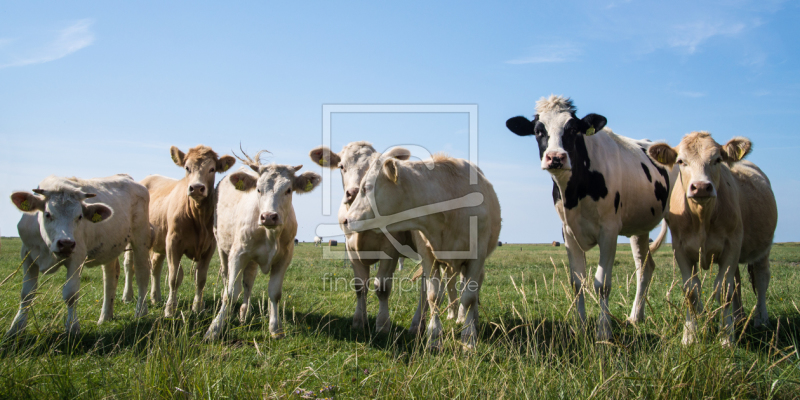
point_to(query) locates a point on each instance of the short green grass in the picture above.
(530, 345)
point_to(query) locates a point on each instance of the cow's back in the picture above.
(759, 210)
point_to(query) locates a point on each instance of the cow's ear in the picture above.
(521, 126)
(390, 169)
(177, 156)
(594, 122)
(662, 153)
(736, 149)
(325, 157)
(27, 202)
(97, 212)
(225, 163)
(243, 181)
(306, 182)
(398, 153)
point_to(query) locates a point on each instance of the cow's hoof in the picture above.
(127, 298)
(212, 335)
(727, 343)
(198, 307)
(74, 330)
(169, 310)
(358, 324)
(141, 310)
(451, 314)
(416, 330)
(104, 318)
(277, 335)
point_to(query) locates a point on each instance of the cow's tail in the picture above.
(660, 239)
(417, 274)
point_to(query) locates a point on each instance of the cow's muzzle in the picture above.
(64, 248)
(555, 160)
(197, 190)
(270, 220)
(701, 190)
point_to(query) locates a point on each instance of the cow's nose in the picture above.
(198, 188)
(269, 218)
(65, 246)
(555, 159)
(350, 195)
(700, 189)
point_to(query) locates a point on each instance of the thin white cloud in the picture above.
(66, 42)
(550, 53)
(690, 36)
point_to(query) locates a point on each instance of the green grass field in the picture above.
(530, 345)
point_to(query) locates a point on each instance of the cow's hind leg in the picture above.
(454, 309)
(157, 262)
(473, 280)
(128, 267)
(644, 274)
(30, 280)
(383, 288)
(276, 275)
(248, 280)
(110, 281)
(434, 302)
(760, 276)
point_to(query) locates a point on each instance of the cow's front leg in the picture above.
(727, 292)
(691, 289)
(644, 274)
(602, 282)
(248, 280)
(174, 254)
(70, 295)
(434, 302)
(276, 274)
(236, 264)
(110, 281)
(30, 280)
(577, 266)
(383, 288)
(200, 276)
(454, 309)
(360, 279)
(760, 275)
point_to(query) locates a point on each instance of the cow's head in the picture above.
(700, 159)
(558, 131)
(60, 213)
(383, 183)
(201, 164)
(353, 161)
(274, 186)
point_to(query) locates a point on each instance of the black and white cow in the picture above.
(604, 185)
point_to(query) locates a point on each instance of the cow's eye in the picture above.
(258, 191)
(289, 191)
(717, 161)
(187, 169)
(212, 169)
(680, 162)
(47, 215)
(80, 217)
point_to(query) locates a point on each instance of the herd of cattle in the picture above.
(719, 208)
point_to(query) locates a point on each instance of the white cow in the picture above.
(317, 241)
(353, 162)
(255, 228)
(64, 225)
(458, 222)
(604, 185)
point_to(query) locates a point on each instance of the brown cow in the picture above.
(182, 216)
(722, 210)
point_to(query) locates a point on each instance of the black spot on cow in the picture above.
(583, 182)
(652, 211)
(661, 191)
(556, 193)
(661, 195)
(647, 172)
(616, 203)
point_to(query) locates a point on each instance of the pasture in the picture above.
(530, 344)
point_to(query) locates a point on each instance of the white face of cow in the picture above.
(60, 214)
(274, 188)
(700, 160)
(353, 161)
(201, 165)
(382, 185)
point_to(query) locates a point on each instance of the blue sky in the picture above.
(97, 88)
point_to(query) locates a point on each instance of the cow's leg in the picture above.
(473, 280)
(577, 266)
(276, 275)
(110, 280)
(383, 288)
(434, 293)
(248, 279)
(360, 279)
(738, 307)
(70, 295)
(223, 268)
(454, 309)
(129, 268)
(200, 277)
(30, 280)
(427, 265)
(174, 254)
(157, 262)
(726, 293)
(691, 290)
(760, 275)
(644, 274)
(237, 263)
(602, 282)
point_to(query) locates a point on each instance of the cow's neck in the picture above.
(202, 210)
